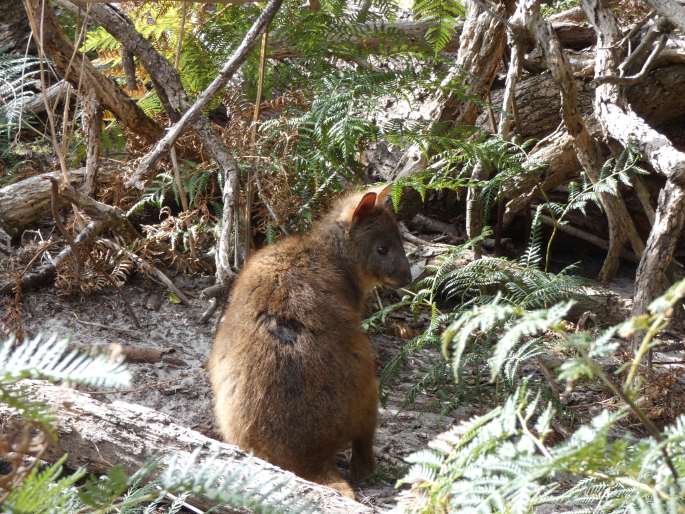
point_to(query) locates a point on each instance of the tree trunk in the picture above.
(99, 435)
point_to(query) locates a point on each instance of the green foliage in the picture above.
(505, 461)
(454, 155)
(464, 295)
(444, 13)
(45, 491)
(489, 319)
(331, 135)
(615, 171)
(50, 359)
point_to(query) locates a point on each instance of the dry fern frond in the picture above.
(21, 447)
(100, 268)
(180, 240)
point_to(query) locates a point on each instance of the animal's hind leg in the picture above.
(362, 463)
(330, 476)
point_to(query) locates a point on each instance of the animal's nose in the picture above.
(404, 276)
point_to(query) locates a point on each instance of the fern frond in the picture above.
(239, 487)
(51, 359)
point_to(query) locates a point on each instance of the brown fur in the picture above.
(293, 374)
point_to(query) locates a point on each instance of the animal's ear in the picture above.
(384, 199)
(364, 207)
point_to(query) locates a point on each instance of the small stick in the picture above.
(54, 200)
(125, 331)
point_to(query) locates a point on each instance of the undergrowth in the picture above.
(510, 459)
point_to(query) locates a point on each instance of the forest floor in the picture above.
(177, 384)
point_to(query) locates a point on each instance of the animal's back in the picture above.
(290, 367)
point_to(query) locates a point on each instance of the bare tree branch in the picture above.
(226, 73)
(621, 123)
(80, 70)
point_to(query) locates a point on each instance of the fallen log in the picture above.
(23, 203)
(381, 37)
(538, 100)
(99, 435)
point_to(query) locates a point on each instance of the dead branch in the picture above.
(621, 226)
(147, 268)
(586, 236)
(47, 271)
(226, 73)
(139, 353)
(98, 435)
(81, 71)
(51, 96)
(634, 79)
(621, 123)
(92, 127)
(168, 85)
(129, 66)
(106, 217)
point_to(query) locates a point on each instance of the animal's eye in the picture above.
(382, 249)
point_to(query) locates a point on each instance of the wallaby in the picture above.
(293, 375)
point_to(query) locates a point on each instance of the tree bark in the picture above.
(671, 9)
(481, 46)
(56, 46)
(23, 203)
(99, 435)
(14, 28)
(621, 226)
(650, 278)
(557, 154)
(92, 128)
